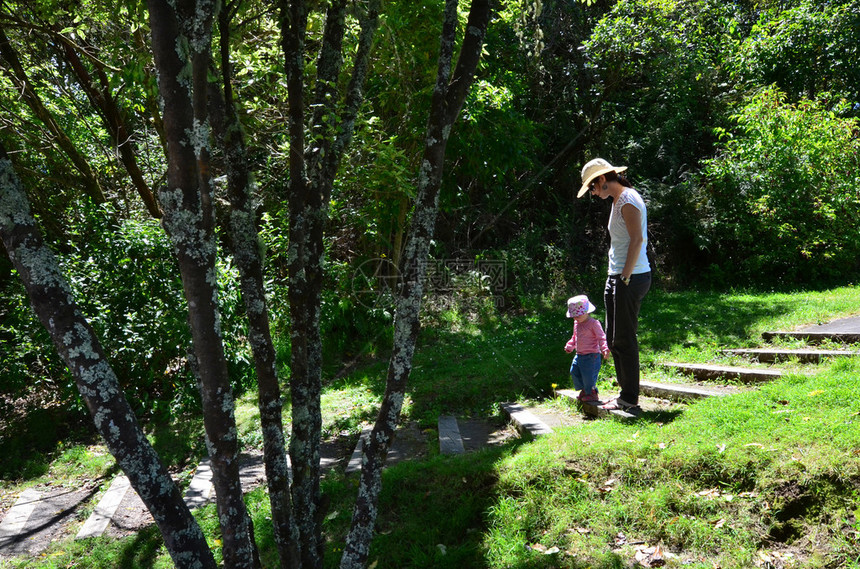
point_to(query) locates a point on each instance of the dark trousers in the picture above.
(622, 322)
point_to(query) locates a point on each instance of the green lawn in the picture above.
(764, 478)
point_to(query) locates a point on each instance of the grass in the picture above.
(768, 476)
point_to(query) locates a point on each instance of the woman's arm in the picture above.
(633, 222)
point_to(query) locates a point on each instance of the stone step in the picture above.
(526, 422)
(676, 391)
(843, 330)
(450, 441)
(98, 521)
(707, 371)
(409, 443)
(37, 518)
(201, 490)
(814, 337)
(13, 524)
(805, 355)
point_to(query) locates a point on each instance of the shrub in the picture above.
(780, 201)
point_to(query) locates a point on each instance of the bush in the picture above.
(124, 276)
(780, 201)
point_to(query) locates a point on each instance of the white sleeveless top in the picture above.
(620, 239)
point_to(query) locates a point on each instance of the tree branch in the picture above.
(18, 75)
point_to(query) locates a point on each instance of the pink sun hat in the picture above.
(579, 305)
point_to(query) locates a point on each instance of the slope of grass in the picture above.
(766, 477)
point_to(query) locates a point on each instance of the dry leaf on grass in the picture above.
(650, 556)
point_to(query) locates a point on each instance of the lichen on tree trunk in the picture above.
(448, 97)
(97, 383)
(181, 41)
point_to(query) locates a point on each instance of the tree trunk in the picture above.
(97, 383)
(312, 172)
(448, 98)
(246, 253)
(181, 39)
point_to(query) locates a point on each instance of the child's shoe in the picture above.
(589, 397)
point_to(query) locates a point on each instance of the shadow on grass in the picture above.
(689, 318)
(179, 440)
(447, 530)
(661, 417)
(467, 370)
(142, 550)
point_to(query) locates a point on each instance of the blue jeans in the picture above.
(584, 370)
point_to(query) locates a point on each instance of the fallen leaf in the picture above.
(650, 556)
(537, 547)
(815, 393)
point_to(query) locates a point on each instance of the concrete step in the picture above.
(409, 443)
(843, 330)
(450, 441)
(98, 521)
(13, 524)
(804, 355)
(814, 337)
(526, 422)
(708, 372)
(676, 391)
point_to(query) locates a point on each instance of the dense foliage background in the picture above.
(738, 122)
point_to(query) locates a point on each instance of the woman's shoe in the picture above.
(619, 404)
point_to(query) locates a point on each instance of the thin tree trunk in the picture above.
(312, 172)
(97, 383)
(448, 98)
(18, 75)
(246, 253)
(181, 38)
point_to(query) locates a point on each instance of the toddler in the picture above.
(589, 341)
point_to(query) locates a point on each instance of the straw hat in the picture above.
(593, 169)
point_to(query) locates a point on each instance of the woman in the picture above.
(629, 273)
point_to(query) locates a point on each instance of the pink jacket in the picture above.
(588, 338)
